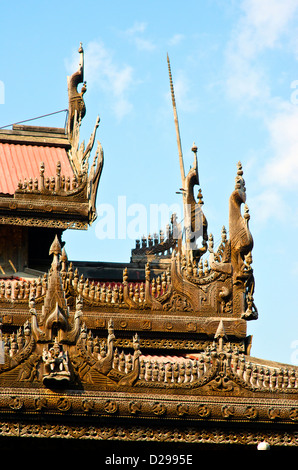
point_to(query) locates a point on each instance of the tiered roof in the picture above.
(163, 357)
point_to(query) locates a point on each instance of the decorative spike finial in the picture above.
(55, 250)
(221, 334)
(194, 148)
(200, 197)
(239, 181)
(55, 247)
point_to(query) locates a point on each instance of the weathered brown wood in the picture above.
(35, 139)
(39, 129)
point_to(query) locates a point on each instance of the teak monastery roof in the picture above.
(153, 351)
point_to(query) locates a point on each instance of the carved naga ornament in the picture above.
(79, 154)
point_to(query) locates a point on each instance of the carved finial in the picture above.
(111, 327)
(136, 342)
(32, 305)
(147, 272)
(221, 334)
(63, 255)
(239, 171)
(194, 148)
(41, 169)
(211, 243)
(55, 248)
(200, 197)
(58, 168)
(239, 181)
(246, 214)
(81, 64)
(224, 234)
(79, 303)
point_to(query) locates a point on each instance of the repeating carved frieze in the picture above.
(44, 222)
(94, 406)
(148, 433)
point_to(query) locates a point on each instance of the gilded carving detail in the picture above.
(182, 409)
(135, 407)
(228, 411)
(110, 407)
(159, 409)
(203, 411)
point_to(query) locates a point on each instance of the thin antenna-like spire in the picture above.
(176, 125)
(81, 64)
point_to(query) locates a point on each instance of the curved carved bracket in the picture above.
(183, 286)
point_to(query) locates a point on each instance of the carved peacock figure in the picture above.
(196, 223)
(76, 101)
(241, 244)
(240, 236)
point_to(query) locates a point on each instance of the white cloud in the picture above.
(138, 27)
(101, 70)
(262, 26)
(176, 39)
(266, 26)
(136, 35)
(282, 168)
(245, 83)
(144, 44)
(122, 107)
(266, 205)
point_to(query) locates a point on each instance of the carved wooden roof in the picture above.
(163, 356)
(49, 181)
(64, 335)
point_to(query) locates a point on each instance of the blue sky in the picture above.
(235, 72)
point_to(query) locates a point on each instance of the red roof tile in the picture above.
(18, 162)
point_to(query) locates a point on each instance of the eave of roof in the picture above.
(35, 135)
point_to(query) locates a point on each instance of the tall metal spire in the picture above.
(176, 125)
